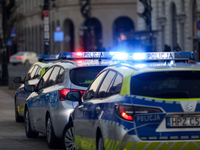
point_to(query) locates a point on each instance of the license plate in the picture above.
(183, 122)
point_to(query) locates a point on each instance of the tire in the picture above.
(26, 63)
(52, 140)
(100, 144)
(68, 137)
(17, 117)
(29, 132)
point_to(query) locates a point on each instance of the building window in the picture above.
(183, 5)
(163, 7)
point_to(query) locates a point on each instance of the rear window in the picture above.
(170, 84)
(85, 75)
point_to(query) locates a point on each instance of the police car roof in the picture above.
(125, 68)
(44, 64)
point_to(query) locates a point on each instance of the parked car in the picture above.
(47, 110)
(25, 58)
(32, 77)
(139, 105)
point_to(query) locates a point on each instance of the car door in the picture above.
(82, 119)
(21, 94)
(40, 97)
(99, 106)
(49, 91)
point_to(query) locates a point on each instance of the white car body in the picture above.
(24, 58)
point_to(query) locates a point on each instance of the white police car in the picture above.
(139, 106)
(32, 77)
(47, 109)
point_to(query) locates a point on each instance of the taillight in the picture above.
(35, 85)
(10, 57)
(62, 93)
(19, 57)
(128, 112)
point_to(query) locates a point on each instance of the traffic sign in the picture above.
(198, 25)
(9, 42)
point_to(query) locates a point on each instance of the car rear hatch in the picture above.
(166, 105)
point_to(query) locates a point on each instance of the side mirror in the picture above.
(17, 80)
(74, 96)
(29, 88)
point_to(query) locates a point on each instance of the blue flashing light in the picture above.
(43, 57)
(155, 56)
(139, 56)
(120, 56)
(84, 55)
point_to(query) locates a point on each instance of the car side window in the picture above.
(34, 71)
(53, 77)
(116, 87)
(60, 77)
(103, 90)
(37, 74)
(44, 80)
(28, 75)
(90, 93)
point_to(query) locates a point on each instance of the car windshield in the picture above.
(83, 76)
(169, 84)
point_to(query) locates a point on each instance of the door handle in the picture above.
(85, 109)
(98, 108)
(47, 95)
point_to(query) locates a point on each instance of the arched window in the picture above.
(92, 38)
(123, 29)
(68, 36)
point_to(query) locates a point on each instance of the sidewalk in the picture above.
(7, 90)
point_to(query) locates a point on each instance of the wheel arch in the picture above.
(47, 115)
(98, 135)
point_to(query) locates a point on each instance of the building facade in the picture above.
(176, 23)
(107, 19)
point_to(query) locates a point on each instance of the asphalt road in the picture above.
(12, 134)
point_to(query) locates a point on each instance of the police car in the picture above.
(139, 106)
(47, 109)
(32, 77)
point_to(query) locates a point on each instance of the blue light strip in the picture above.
(83, 55)
(51, 56)
(157, 56)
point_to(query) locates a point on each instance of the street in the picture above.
(12, 134)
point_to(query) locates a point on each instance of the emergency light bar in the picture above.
(154, 56)
(43, 57)
(85, 55)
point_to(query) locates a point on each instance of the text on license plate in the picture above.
(183, 121)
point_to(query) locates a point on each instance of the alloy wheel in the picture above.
(69, 139)
(49, 126)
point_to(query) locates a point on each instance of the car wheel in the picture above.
(26, 63)
(100, 145)
(17, 117)
(29, 132)
(68, 137)
(51, 138)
